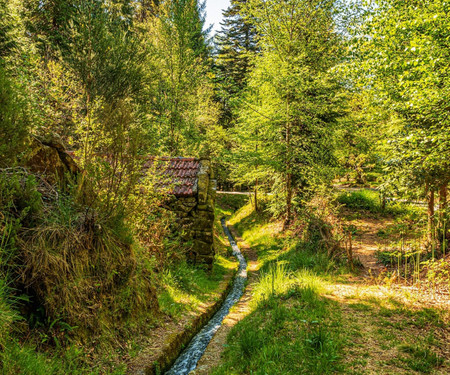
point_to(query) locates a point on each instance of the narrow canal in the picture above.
(188, 359)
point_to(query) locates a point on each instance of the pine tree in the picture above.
(236, 46)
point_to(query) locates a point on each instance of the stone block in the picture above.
(202, 248)
(202, 224)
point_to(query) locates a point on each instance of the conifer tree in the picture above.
(236, 46)
(292, 102)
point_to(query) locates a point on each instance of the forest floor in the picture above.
(316, 321)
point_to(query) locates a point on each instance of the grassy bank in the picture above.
(88, 307)
(310, 315)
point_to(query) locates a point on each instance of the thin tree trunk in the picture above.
(288, 168)
(442, 202)
(288, 200)
(350, 250)
(443, 192)
(430, 228)
(256, 196)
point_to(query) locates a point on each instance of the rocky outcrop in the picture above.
(48, 158)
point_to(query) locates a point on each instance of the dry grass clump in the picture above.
(75, 266)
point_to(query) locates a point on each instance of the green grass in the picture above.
(370, 201)
(362, 199)
(293, 328)
(185, 286)
(227, 204)
(420, 358)
(290, 331)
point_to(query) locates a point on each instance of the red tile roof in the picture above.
(179, 175)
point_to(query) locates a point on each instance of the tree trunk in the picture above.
(350, 250)
(287, 221)
(430, 228)
(256, 196)
(443, 214)
(442, 203)
(288, 200)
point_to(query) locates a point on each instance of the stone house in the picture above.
(191, 186)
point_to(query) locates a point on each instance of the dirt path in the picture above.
(390, 331)
(212, 356)
(367, 241)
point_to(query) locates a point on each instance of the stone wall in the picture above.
(196, 216)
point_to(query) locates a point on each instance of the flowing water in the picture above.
(188, 359)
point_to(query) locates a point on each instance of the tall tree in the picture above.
(180, 108)
(236, 45)
(292, 101)
(403, 60)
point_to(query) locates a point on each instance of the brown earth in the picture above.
(366, 242)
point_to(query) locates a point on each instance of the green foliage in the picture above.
(14, 122)
(362, 199)
(7, 44)
(292, 102)
(179, 112)
(236, 47)
(356, 141)
(402, 62)
(77, 271)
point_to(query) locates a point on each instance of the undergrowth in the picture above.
(371, 201)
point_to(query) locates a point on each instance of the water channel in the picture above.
(188, 359)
